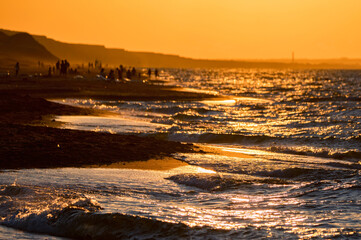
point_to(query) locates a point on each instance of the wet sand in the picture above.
(29, 137)
(23, 146)
(92, 88)
(166, 163)
(223, 151)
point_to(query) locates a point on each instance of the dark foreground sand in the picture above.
(56, 87)
(41, 147)
(29, 139)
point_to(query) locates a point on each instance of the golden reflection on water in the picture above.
(220, 102)
(236, 219)
(244, 210)
(235, 100)
(203, 170)
(243, 150)
(318, 233)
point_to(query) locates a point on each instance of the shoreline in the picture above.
(163, 164)
(24, 146)
(30, 137)
(60, 88)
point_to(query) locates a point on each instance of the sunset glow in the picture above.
(230, 29)
(180, 119)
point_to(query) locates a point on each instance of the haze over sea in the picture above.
(302, 180)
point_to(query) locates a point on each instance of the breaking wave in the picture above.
(77, 223)
(220, 182)
(79, 217)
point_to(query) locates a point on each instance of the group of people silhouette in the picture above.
(155, 73)
(129, 73)
(62, 66)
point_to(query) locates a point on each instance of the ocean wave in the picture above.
(166, 121)
(355, 166)
(342, 189)
(167, 110)
(297, 146)
(179, 109)
(220, 138)
(75, 222)
(76, 216)
(202, 110)
(328, 153)
(235, 137)
(220, 182)
(190, 117)
(332, 99)
(286, 173)
(259, 107)
(307, 174)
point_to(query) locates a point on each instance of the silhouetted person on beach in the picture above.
(102, 73)
(67, 65)
(120, 73)
(156, 73)
(134, 72)
(49, 72)
(17, 68)
(57, 65)
(111, 75)
(62, 67)
(121, 70)
(149, 72)
(129, 74)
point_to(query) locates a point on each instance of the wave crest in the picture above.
(218, 182)
(73, 222)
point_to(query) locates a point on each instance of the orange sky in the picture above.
(226, 29)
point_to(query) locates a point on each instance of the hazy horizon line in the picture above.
(285, 59)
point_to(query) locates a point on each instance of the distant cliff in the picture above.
(45, 49)
(22, 46)
(82, 53)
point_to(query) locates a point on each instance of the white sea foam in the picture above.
(109, 124)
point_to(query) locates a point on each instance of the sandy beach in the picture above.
(92, 88)
(30, 137)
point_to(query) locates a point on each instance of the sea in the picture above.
(293, 172)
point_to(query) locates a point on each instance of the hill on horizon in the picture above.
(85, 53)
(23, 47)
